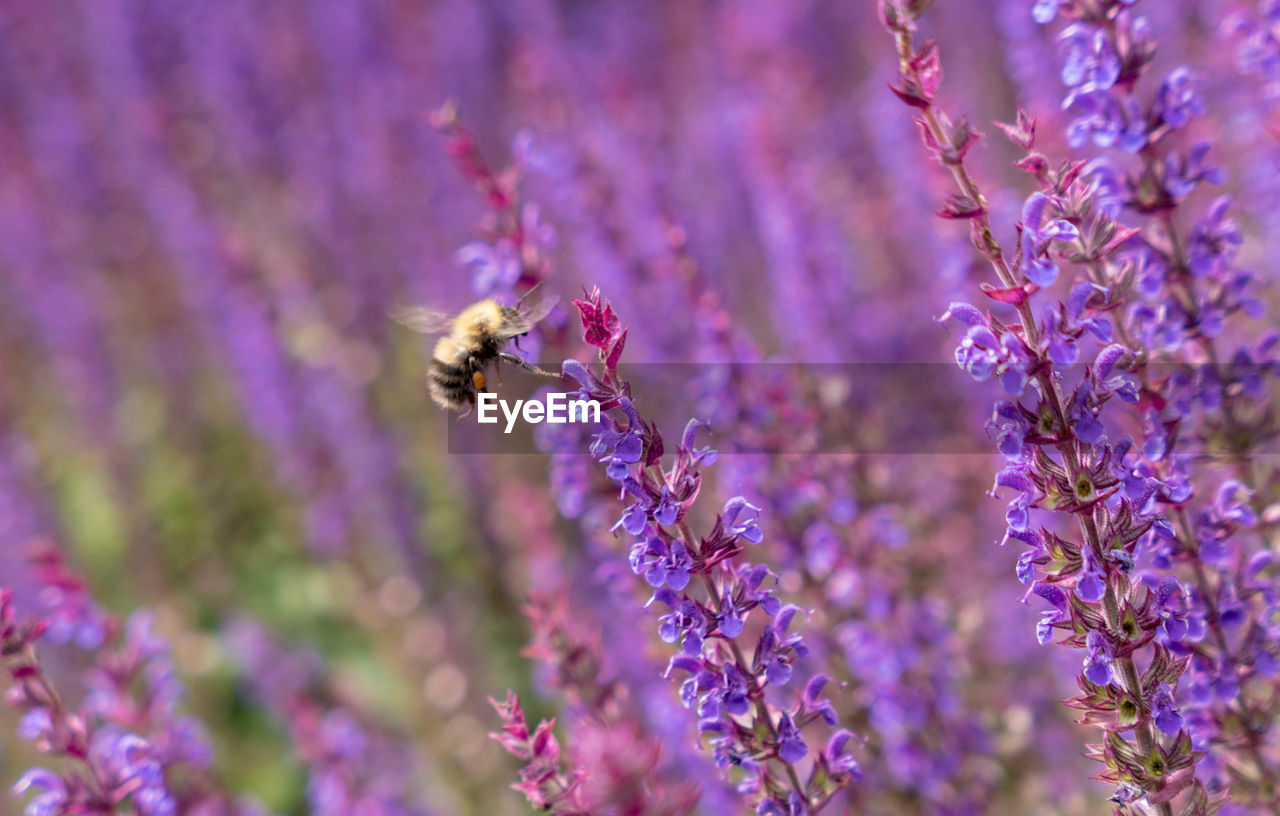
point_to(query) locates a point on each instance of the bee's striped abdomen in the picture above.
(450, 385)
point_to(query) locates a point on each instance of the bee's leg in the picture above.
(530, 367)
(478, 381)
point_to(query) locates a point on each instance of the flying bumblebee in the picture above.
(475, 339)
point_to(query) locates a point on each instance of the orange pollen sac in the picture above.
(478, 380)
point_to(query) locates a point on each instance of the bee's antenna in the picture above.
(529, 294)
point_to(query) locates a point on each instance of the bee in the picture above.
(474, 340)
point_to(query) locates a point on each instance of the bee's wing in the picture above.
(421, 319)
(536, 304)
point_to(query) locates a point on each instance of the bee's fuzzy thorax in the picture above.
(479, 319)
(448, 349)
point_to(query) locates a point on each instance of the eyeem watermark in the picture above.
(557, 410)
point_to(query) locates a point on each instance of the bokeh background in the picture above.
(208, 209)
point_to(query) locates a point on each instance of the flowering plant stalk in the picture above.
(550, 783)
(613, 761)
(710, 593)
(126, 746)
(110, 765)
(823, 524)
(1059, 457)
(511, 254)
(1187, 289)
(616, 759)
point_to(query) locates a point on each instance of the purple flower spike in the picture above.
(1124, 519)
(728, 682)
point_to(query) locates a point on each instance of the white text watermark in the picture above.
(557, 410)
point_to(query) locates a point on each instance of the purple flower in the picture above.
(130, 764)
(816, 704)
(727, 692)
(1097, 663)
(52, 792)
(1167, 716)
(1173, 624)
(752, 590)
(1042, 231)
(634, 519)
(1231, 504)
(732, 615)
(686, 621)
(837, 758)
(1011, 426)
(704, 455)
(666, 510)
(1084, 420)
(35, 724)
(1015, 477)
(791, 746)
(1127, 793)
(1041, 271)
(494, 267)
(1178, 100)
(1089, 63)
(1092, 584)
(1058, 600)
(1214, 241)
(662, 563)
(1183, 173)
(1110, 380)
(1025, 569)
(1094, 572)
(618, 450)
(1106, 122)
(1045, 10)
(777, 650)
(977, 353)
(749, 527)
